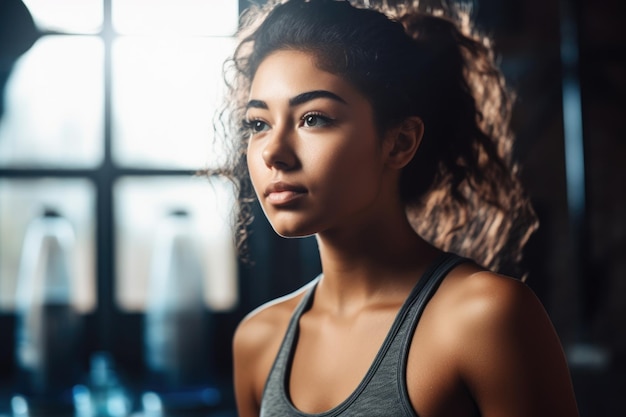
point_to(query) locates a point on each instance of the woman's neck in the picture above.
(362, 264)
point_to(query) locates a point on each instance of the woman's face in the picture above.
(314, 155)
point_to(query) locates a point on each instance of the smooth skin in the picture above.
(484, 345)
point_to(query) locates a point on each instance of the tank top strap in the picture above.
(416, 303)
(432, 278)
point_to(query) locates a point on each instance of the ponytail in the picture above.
(475, 204)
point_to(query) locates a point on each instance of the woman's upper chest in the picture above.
(334, 357)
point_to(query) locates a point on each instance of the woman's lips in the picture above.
(281, 193)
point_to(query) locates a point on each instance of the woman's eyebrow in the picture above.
(299, 99)
(257, 104)
(312, 95)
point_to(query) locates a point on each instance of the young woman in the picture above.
(384, 133)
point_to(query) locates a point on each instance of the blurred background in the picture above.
(108, 241)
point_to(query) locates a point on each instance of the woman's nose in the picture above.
(279, 151)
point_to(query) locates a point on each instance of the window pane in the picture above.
(189, 17)
(22, 201)
(165, 93)
(70, 16)
(143, 206)
(54, 105)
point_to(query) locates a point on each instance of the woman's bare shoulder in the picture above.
(268, 322)
(474, 303)
(481, 309)
(473, 294)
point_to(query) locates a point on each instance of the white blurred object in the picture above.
(176, 327)
(140, 205)
(47, 322)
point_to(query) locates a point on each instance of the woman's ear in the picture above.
(403, 142)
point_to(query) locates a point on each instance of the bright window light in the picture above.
(69, 16)
(165, 93)
(180, 17)
(54, 103)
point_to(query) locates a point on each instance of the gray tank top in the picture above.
(383, 391)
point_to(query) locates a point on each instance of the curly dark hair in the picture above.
(462, 189)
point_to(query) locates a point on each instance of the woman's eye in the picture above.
(256, 126)
(315, 120)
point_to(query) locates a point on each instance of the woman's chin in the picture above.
(291, 232)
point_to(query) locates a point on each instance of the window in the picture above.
(106, 119)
